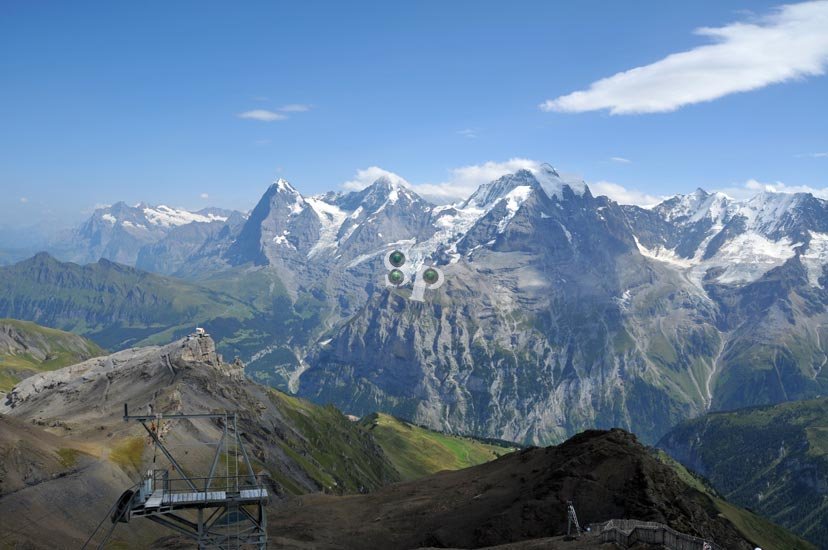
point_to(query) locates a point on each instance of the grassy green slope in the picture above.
(115, 305)
(773, 460)
(755, 528)
(416, 452)
(338, 455)
(27, 348)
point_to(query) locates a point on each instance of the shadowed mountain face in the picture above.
(771, 459)
(519, 497)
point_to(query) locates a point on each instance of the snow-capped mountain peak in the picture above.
(696, 206)
(741, 239)
(490, 193)
(553, 184)
(147, 216)
(284, 186)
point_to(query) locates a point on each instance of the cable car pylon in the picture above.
(214, 511)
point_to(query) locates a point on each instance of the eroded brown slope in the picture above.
(517, 497)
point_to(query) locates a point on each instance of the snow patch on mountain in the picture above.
(692, 208)
(332, 218)
(766, 211)
(553, 184)
(750, 255)
(169, 217)
(743, 259)
(514, 200)
(665, 255)
(815, 257)
(284, 185)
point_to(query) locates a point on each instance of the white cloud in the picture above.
(204, 196)
(461, 182)
(751, 187)
(790, 43)
(814, 155)
(295, 108)
(364, 178)
(468, 133)
(262, 114)
(622, 195)
(620, 160)
(24, 200)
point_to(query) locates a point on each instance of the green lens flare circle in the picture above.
(430, 276)
(396, 277)
(396, 258)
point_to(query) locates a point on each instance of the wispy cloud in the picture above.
(813, 155)
(24, 200)
(262, 114)
(266, 115)
(204, 196)
(622, 195)
(365, 177)
(467, 133)
(620, 160)
(789, 43)
(295, 108)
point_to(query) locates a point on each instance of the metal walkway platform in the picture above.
(213, 511)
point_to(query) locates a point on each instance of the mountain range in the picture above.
(560, 310)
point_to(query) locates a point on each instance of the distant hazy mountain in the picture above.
(115, 305)
(157, 238)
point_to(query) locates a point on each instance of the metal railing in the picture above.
(230, 485)
(629, 531)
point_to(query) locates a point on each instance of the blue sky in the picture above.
(108, 101)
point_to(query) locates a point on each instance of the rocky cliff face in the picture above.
(552, 322)
(563, 311)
